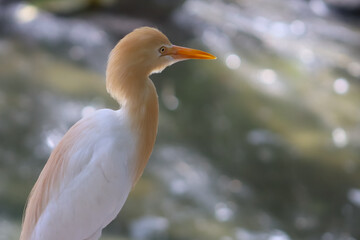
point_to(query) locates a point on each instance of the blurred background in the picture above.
(261, 144)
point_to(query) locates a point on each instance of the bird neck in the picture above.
(144, 113)
(137, 95)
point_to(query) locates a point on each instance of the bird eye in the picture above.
(162, 50)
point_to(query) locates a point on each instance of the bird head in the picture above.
(140, 53)
(147, 50)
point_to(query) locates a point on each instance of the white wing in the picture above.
(93, 180)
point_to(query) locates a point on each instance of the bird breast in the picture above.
(101, 155)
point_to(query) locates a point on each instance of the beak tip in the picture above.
(212, 57)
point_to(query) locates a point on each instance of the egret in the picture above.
(89, 174)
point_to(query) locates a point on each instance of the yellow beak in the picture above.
(183, 53)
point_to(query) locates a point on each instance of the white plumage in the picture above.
(96, 182)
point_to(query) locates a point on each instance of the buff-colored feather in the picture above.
(49, 180)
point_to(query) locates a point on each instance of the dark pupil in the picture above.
(163, 49)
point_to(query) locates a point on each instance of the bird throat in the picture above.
(136, 93)
(143, 109)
